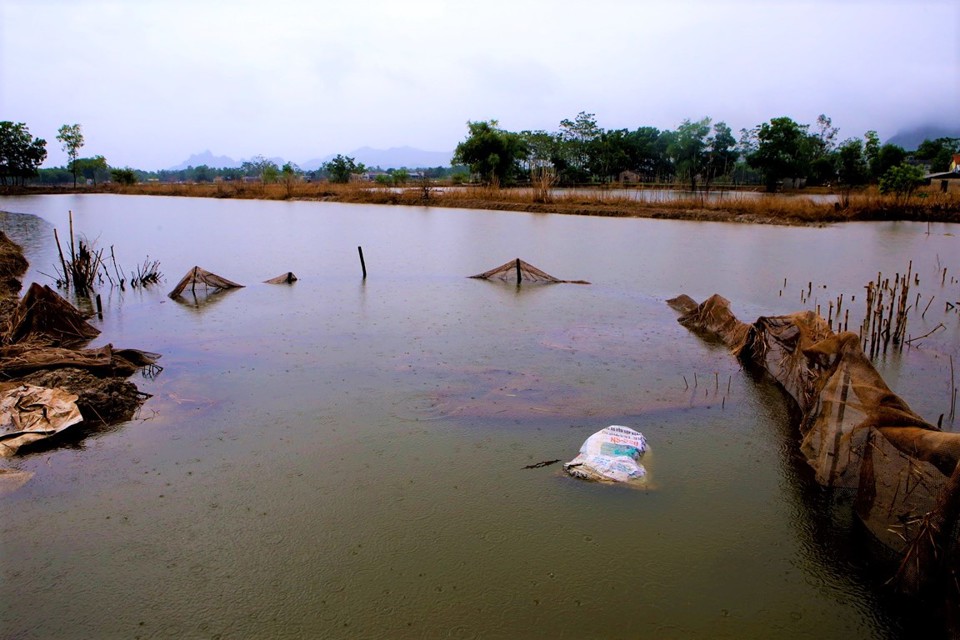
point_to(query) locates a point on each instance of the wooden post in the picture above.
(63, 263)
(99, 308)
(73, 257)
(363, 265)
(519, 277)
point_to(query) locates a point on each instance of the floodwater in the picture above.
(345, 458)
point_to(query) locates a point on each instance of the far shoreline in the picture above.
(791, 209)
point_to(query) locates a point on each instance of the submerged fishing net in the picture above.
(43, 317)
(286, 278)
(20, 359)
(208, 280)
(855, 432)
(517, 271)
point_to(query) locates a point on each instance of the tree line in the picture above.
(698, 153)
(21, 155)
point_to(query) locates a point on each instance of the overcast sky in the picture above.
(152, 82)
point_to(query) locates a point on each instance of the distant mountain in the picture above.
(393, 158)
(207, 158)
(910, 139)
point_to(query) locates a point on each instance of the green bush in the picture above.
(902, 180)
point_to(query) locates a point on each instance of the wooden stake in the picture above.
(953, 393)
(73, 257)
(63, 263)
(363, 265)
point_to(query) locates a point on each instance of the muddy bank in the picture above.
(43, 362)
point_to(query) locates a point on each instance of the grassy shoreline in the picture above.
(795, 208)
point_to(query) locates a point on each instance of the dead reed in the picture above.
(885, 320)
(87, 268)
(611, 200)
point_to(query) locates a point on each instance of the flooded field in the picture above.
(345, 458)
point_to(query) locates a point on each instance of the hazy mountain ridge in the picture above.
(911, 138)
(207, 158)
(392, 158)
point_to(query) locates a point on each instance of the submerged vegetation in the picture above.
(86, 268)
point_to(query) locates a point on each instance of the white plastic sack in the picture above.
(613, 453)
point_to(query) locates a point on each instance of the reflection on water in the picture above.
(344, 457)
(199, 300)
(654, 195)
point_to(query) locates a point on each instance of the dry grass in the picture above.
(798, 208)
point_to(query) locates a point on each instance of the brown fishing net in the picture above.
(517, 271)
(43, 317)
(855, 432)
(20, 359)
(199, 276)
(286, 278)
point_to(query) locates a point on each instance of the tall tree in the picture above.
(645, 152)
(609, 154)
(20, 153)
(782, 151)
(340, 168)
(95, 168)
(203, 173)
(722, 153)
(71, 139)
(260, 167)
(492, 153)
(541, 147)
(871, 151)
(689, 150)
(852, 169)
(290, 175)
(576, 137)
(890, 155)
(822, 148)
(125, 176)
(826, 134)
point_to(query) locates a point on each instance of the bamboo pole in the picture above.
(63, 263)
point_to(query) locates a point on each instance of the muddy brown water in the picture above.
(344, 458)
